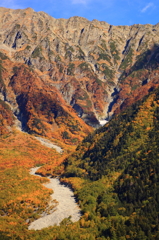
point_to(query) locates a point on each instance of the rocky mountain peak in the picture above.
(84, 60)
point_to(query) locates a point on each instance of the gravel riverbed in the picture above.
(66, 207)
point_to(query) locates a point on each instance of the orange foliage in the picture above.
(21, 149)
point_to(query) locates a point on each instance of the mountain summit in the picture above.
(96, 68)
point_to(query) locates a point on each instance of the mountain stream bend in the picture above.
(66, 207)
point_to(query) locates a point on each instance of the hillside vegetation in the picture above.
(122, 156)
(114, 173)
(58, 79)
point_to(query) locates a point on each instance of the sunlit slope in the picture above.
(114, 173)
(22, 197)
(123, 155)
(35, 105)
(96, 67)
(114, 146)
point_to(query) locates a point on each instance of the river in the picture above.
(66, 207)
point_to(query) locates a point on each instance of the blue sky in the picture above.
(115, 12)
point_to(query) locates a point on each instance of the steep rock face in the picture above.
(86, 61)
(37, 105)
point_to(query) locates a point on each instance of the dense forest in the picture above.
(125, 153)
(114, 174)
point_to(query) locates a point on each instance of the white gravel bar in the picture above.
(66, 207)
(49, 144)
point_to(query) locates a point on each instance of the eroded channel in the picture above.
(66, 207)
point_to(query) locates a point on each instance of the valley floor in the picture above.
(66, 206)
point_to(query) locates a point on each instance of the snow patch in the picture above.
(102, 122)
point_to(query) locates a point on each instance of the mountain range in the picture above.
(96, 68)
(60, 80)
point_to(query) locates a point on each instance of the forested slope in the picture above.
(125, 152)
(114, 173)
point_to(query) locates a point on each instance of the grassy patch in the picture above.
(70, 69)
(107, 71)
(84, 66)
(114, 51)
(37, 53)
(128, 60)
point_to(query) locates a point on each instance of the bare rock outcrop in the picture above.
(84, 60)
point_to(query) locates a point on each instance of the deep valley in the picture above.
(79, 100)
